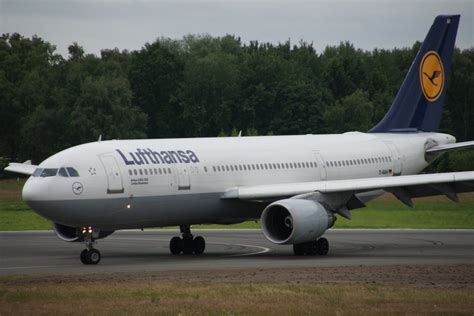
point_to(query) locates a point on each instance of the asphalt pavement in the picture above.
(31, 253)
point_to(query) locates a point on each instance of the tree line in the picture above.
(206, 86)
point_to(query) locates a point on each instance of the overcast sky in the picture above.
(129, 24)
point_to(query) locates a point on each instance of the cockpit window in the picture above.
(62, 173)
(37, 172)
(72, 172)
(49, 172)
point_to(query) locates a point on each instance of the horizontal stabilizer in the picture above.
(449, 147)
(23, 168)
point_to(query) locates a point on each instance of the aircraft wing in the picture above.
(403, 187)
(23, 168)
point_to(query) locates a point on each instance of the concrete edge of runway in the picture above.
(257, 229)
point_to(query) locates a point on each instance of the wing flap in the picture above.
(421, 185)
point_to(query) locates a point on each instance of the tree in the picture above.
(351, 113)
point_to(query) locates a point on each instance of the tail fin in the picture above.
(419, 102)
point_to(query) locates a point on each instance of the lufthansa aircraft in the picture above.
(295, 185)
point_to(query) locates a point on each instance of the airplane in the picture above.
(295, 185)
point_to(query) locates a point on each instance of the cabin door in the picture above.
(320, 165)
(396, 158)
(184, 178)
(112, 171)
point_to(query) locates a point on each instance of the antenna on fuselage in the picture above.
(100, 138)
(240, 133)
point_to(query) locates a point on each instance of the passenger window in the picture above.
(205, 169)
(72, 172)
(169, 170)
(159, 170)
(146, 171)
(141, 172)
(156, 171)
(232, 168)
(135, 171)
(62, 173)
(129, 172)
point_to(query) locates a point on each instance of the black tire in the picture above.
(298, 249)
(322, 246)
(83, 256)
(199, 245)
(93, 256)
(176, 245)
(188, 246)
(311, 248)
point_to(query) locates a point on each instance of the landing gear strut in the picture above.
(188, 244)
(311, 248)
(89, 255)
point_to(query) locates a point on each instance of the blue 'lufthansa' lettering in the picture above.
(146, 156)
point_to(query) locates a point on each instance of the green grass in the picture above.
(15, 215)
(393, 214)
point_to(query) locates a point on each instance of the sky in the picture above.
(129, 24)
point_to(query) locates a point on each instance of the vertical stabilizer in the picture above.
(419, 102)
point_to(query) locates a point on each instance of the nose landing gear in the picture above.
(89, 255)
(188, 244)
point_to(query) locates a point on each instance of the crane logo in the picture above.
(77, 188)
(431, 76)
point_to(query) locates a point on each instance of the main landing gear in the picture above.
(187, 244)
(89, 255)
(311, 248)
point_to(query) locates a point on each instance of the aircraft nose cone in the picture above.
(31, 191)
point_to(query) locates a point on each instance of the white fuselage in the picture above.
(160, 182)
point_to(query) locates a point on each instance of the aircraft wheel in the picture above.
(90, 256)
(322, 246)
(176, 245)
(84, 256)
(298, 249)
(93, 256)
(311, 248)
(188, 246)
(199, 245)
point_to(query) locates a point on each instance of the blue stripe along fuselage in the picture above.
(148, 156)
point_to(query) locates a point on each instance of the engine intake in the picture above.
(294, 221)
(72, 234)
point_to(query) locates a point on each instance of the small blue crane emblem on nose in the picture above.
(77, 188)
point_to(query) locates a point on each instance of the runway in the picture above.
(132, 251)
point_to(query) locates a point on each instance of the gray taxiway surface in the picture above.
(129, 251)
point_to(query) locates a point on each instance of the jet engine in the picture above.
(73, 234)
(295, 221)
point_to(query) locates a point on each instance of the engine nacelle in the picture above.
(295, 221)
(73, 234)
